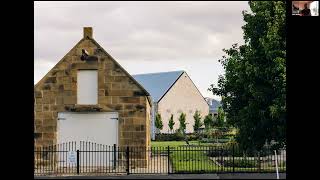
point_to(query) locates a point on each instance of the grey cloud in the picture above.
(191, 32)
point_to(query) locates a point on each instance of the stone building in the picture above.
(88, 96)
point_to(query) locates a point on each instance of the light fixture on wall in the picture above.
(86, 57)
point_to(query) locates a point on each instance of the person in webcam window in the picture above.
(305, 11)
(295, 10)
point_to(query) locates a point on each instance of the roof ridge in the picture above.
(157, 84)
(159, 72)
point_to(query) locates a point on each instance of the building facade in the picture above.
(87, 95)
(173, 93)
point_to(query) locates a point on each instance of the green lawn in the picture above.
(171, 143)
(177, 143)
(193, 160)
(198, 161)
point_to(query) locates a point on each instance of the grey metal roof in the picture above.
(157, 84)
(213, 104)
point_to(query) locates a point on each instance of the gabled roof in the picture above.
(105, 52)
(157, 84)
(213, 104)
(126, 72)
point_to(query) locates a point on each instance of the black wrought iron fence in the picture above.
(89, 158)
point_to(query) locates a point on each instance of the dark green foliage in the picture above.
(182, 120)
(208, 121)
(158, 122)
(171, 123)
(197, 121)
(253, 88)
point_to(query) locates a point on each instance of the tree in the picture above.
(208, 121)
(197, 121)
(254, 84)
(182, 120)
(182, 128)
(221, 117)
(171, 123)
(158, 122)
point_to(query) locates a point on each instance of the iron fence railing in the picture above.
(89, 158)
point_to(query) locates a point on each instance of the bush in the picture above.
(207, 140)
(241, 163)
(192, 137)
(225, 151)
(177, 136)
(170, 137)
(219, 152)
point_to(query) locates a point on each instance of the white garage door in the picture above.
(100, 127)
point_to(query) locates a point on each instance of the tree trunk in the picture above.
(185, 137)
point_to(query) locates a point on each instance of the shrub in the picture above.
(182, 120)
(197, 121)
(210, 140)
(219, 152)
(192, 137)
(158, 122)
(171, 123)
(208, 121)
(242, 163)
(170, 137)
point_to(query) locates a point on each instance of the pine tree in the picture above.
(208, 121)
(197, 121)
(171, 123)
(158, 122)
(182, 120)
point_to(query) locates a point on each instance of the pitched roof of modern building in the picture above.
(157, 84)
(213, 104)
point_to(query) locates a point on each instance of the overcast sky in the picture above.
(143, 37)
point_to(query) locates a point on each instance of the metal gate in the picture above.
(88, 158)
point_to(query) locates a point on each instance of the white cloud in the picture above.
(143, 36)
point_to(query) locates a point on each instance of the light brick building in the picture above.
(173, 93)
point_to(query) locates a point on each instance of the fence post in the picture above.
(127, 155)
(114, 156)
(233, 157)
(276, 159)
(168, 160)
(259, 163)
(78, 155)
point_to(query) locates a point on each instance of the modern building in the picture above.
(173, 93)
(213, 106)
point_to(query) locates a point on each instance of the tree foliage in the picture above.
(171, 123)
(220, 118)
(208, 121)
(197, 121)
(182, 120)
(158, 122)
(254, 84)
